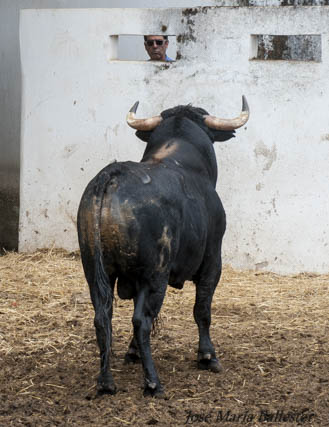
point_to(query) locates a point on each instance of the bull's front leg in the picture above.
(147, 307)
(202, 314)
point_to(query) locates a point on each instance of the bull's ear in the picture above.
(143, 135)
(222, 135)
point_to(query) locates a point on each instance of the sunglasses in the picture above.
(157, 42)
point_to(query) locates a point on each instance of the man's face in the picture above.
(156, 51)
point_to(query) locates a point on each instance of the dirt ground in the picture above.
(270, 331)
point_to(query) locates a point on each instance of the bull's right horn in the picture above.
(142, 124)
(229, 124)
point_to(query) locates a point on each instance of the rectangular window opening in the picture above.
(126, 47)
(268, 47)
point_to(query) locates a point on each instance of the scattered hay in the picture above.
(270, 332)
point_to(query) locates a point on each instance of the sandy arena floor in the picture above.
(271, 334)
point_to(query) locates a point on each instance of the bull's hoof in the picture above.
(153, 390)
(132, 357)
(105, 385)
(207, 362)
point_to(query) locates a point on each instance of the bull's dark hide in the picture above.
(149, 224)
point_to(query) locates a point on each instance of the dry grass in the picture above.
(270, 331)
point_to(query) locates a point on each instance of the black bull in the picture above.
(157, 222)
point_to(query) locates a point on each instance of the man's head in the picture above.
(156, 47)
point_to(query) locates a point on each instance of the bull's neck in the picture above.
(183, 153)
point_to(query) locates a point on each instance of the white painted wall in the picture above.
(10, 90)
(10, 94)
(273, 178)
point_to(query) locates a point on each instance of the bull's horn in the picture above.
(229, 124)
(142, 124)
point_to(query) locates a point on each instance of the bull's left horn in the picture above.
(142, 124)
(229, 124)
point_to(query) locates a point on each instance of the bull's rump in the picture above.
(151, 221)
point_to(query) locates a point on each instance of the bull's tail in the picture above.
(102, 288)
(101, 278)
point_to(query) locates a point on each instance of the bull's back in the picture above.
(148, 220)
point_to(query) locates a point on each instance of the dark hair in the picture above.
(165, 37)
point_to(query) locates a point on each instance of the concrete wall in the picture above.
(273, 178)
(10, 95)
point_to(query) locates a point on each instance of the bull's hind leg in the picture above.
(133, 355)
(205, 289)
(148, 304)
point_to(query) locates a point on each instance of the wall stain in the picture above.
(188, 34)
(69, 150)
(92, 112)
(304, 3)
(9, 211)
(161, 68)
(261, 265)
(71, 217)
(269, 154)
(116, 129)
(273, 201)
(188, 16)
(192, 11)
(250, 3)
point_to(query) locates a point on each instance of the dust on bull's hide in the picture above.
(164, 152)
(165, 249)
(87, 232)
(117, 219)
